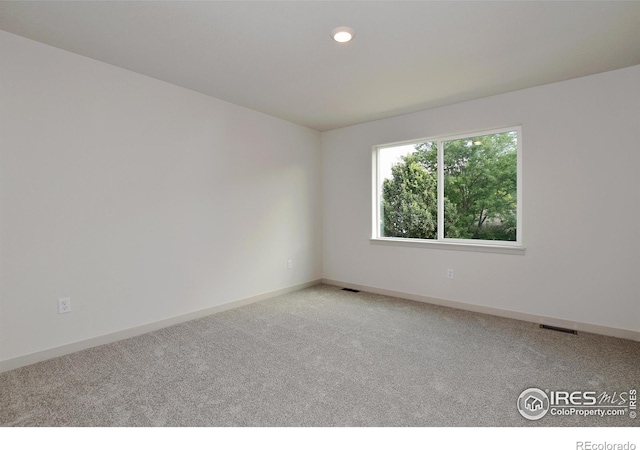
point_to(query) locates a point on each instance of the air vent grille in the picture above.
(350, 290)
(561, 330)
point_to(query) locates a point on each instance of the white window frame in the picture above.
(509, 247)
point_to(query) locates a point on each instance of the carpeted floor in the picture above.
(322, 357)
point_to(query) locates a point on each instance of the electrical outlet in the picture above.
(450, 274)
(64, 305)
(290, 264)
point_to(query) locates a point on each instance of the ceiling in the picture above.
(277, 57)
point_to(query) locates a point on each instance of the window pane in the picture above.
(408, 191)
(480, 187)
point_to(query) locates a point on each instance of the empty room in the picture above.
(319, 214)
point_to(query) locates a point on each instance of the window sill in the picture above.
(440, 245)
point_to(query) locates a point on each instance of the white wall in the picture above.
(581, 205)
(140, 200)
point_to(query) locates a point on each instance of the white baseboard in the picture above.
(14, 363)
(584, 327)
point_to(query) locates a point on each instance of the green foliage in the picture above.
(480, 183)
(409, 201)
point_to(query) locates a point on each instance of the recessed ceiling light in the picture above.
(342, 34)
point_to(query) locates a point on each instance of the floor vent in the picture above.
(350, 290)
(562, 330)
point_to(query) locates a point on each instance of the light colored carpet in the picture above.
(322, 357)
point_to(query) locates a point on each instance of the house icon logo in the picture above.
(533, 404)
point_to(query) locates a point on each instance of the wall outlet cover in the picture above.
(64, 305)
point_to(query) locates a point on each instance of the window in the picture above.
(462, 189)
